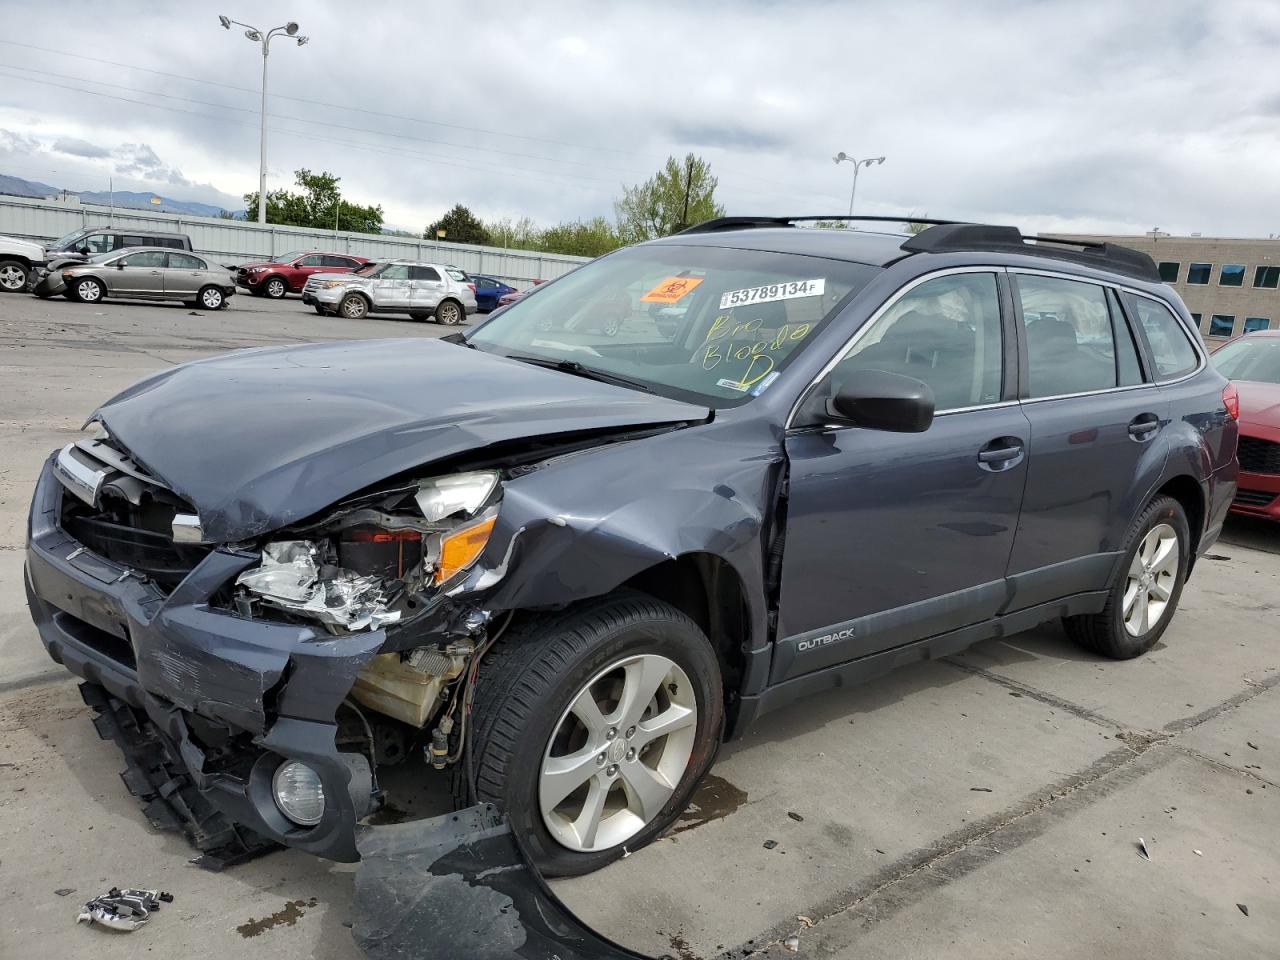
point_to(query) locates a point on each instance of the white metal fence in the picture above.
(238, 241)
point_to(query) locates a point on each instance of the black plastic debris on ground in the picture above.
(156, 775)
(458, 885)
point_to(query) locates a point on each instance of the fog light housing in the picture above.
(298, 793)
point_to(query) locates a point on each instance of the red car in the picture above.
(1253, 364)
(288, 273)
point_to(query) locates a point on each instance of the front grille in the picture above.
(1254, 498)
(147, 552)
(1258, 455)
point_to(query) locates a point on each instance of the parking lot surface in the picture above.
(990, 803)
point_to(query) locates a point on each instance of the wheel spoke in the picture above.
(587, 710)
(1162, 587)
(563, 775)
(587, 823)
(1130, 597)
(647, 791)
(674, 718)
(643, 677)
(1165, 555)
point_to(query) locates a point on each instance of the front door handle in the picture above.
(1144, 426)
(1002, 453)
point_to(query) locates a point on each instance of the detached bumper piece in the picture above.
(459, 885)
(124, 910)
(156, 775)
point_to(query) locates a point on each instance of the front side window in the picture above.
(184, 261)
(394, 271)
(289, 257)
(1268, 277)
(946, 333)
(1255, 358)
(707, 324)
(1198, 273)
(1231, 275)
(1170, 343)
(144, 258)
(97, 243)
(1222, 325)
(1169, 270)
(1071, 345)
(315, 260)
(1254, 324)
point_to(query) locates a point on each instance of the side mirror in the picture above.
(121, 264)
(879, 400)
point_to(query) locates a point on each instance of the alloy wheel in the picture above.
(212, 299)
(12, 278)
(1153, 574)
(275, 288)
(448, 314)
(89, 291)
(618, 753)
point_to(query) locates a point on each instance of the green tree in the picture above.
(522, 234)
(914, 226)
(679, 195)
(580, 238)
(460, 226)
(318, 205)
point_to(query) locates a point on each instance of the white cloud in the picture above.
(1062, 113)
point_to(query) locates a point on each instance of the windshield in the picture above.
(708, 324)
(62, 242)
(1250, 358)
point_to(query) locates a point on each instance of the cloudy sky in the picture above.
(1107, 116)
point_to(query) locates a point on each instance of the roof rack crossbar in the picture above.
(949, 238)
(744, 223)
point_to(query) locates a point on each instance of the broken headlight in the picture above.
(363, 566)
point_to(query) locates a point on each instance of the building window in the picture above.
(1268, 277)
(1199, 272)
(1169, 270)
(1231, 275)
(1254, 324)
(1222, 325)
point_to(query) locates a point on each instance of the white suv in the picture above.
(422, 290)
(18, 259)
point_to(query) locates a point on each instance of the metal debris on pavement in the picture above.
(123, 910)
(1142, 849)
(770, 844)
(1197, 853)
(795, 816)
(1250, 743)
(792, 943)
(1243, 909)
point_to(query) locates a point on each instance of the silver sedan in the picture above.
(150, 273)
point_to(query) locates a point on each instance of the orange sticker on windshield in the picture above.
(671, 289)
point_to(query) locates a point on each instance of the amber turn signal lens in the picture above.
(461, 548)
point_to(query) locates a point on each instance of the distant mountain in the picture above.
(17, 187)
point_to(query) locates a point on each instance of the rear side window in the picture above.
(1071, 342)
(128, 240)
(184, 261)
(423, 273)
(1128, 369)
(1170, 343)
(946, 333)
(332, 261)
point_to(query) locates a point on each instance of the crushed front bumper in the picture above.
(232, 697)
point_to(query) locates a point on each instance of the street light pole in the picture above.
(290, 29)
(857, 165)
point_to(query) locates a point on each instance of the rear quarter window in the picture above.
(1169, 340)
(457, 274)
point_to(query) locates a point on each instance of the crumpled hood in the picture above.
(259, 439)
(1259, 402)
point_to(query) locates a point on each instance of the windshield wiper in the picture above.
(578, 370)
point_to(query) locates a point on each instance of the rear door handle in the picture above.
(1144, 426)
(1001, 453)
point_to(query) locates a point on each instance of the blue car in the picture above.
(488, 290)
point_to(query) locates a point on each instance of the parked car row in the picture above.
(99, 262)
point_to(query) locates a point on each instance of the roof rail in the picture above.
(946, 238)
(745, 223)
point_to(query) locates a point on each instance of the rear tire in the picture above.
(354, 307)
(449, 313)
(275, 288)
(13, 276)
(1144, 595)
(211, 298)
(529, 693)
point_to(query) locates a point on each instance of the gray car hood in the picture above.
(259, 439)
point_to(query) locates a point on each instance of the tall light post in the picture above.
(290, 29)
(841, 157)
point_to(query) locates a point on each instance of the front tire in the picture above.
(1148, 584)
(88, 290)
(354, 307)
(13, 276)
(593, 726)
(275, 288)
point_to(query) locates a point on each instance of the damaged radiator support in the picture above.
(157, 777)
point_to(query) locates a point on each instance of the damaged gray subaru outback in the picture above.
(565, 554)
